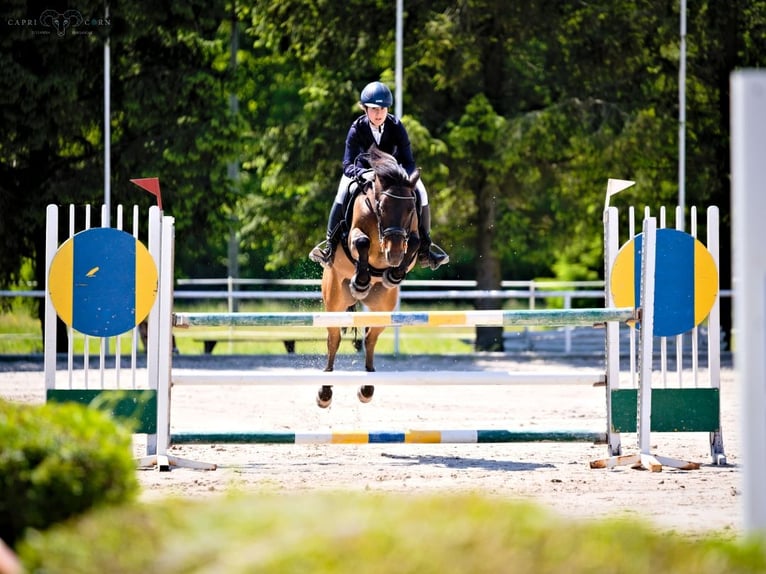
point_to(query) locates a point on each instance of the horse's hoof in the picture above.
(359, 292)
(364, 393)
(324, 397)
(389, 280)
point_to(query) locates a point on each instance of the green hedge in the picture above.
(57, 461)
(359, 532)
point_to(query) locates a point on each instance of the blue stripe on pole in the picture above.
(411, 318)
(386, 436)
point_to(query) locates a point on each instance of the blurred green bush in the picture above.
(58, 461)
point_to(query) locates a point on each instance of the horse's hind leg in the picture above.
(371, 334)
(324, 396)
(333, 344)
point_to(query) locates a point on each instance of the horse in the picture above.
(373, 258)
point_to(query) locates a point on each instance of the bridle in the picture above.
(393, 231)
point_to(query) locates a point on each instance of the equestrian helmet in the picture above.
(376, 95)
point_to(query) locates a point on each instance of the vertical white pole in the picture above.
(714, 332)
(714, 318)
(633, 368)
(135, 333)
(165, 344)
(398, 107)
(153, 321)
(646, 345)
(682, 115)
(107, 128)
(748, 142)
(611, 248)
(103, 343)
(51, 246)
(680, 226)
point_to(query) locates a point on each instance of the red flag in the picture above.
(152, 185)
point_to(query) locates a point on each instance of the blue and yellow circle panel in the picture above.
(102, 282)
(686, 280)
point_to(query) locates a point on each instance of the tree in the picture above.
(518, 115)
(169, 119)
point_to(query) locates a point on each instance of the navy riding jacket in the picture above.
(393, 140)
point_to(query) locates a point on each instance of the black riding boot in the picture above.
(429, 254)
(323, 252)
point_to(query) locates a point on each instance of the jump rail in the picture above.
(401, 378)
(459, 436)
(537, 317)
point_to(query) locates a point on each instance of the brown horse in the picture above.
(373, 259)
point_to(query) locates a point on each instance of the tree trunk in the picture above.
(488, 274)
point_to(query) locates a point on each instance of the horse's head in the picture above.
(395, 205)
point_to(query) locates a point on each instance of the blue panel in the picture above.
(104, 276)
(674, 281)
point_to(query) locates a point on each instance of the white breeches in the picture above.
(345, 181)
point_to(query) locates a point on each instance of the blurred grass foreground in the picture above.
(369, 533)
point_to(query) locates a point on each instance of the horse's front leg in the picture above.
(361, 281)
(393, 276)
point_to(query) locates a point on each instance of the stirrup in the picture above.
(434, 258)
(322, 254)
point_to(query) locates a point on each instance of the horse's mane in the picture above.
(388, 170)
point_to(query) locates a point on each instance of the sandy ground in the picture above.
(556, 475)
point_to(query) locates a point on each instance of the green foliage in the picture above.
(352, 532)
(518, 115)
(58, 461)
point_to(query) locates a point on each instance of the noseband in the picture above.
(393, 231)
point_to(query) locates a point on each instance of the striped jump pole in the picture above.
(389, 437)
(478, 318)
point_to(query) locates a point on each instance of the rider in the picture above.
(387, 132)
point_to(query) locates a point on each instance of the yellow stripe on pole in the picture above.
(447, 318)
(352, 437)
(373, 319)
(423, 436)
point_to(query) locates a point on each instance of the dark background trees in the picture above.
(518, 115)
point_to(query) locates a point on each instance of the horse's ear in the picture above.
(415, 177)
